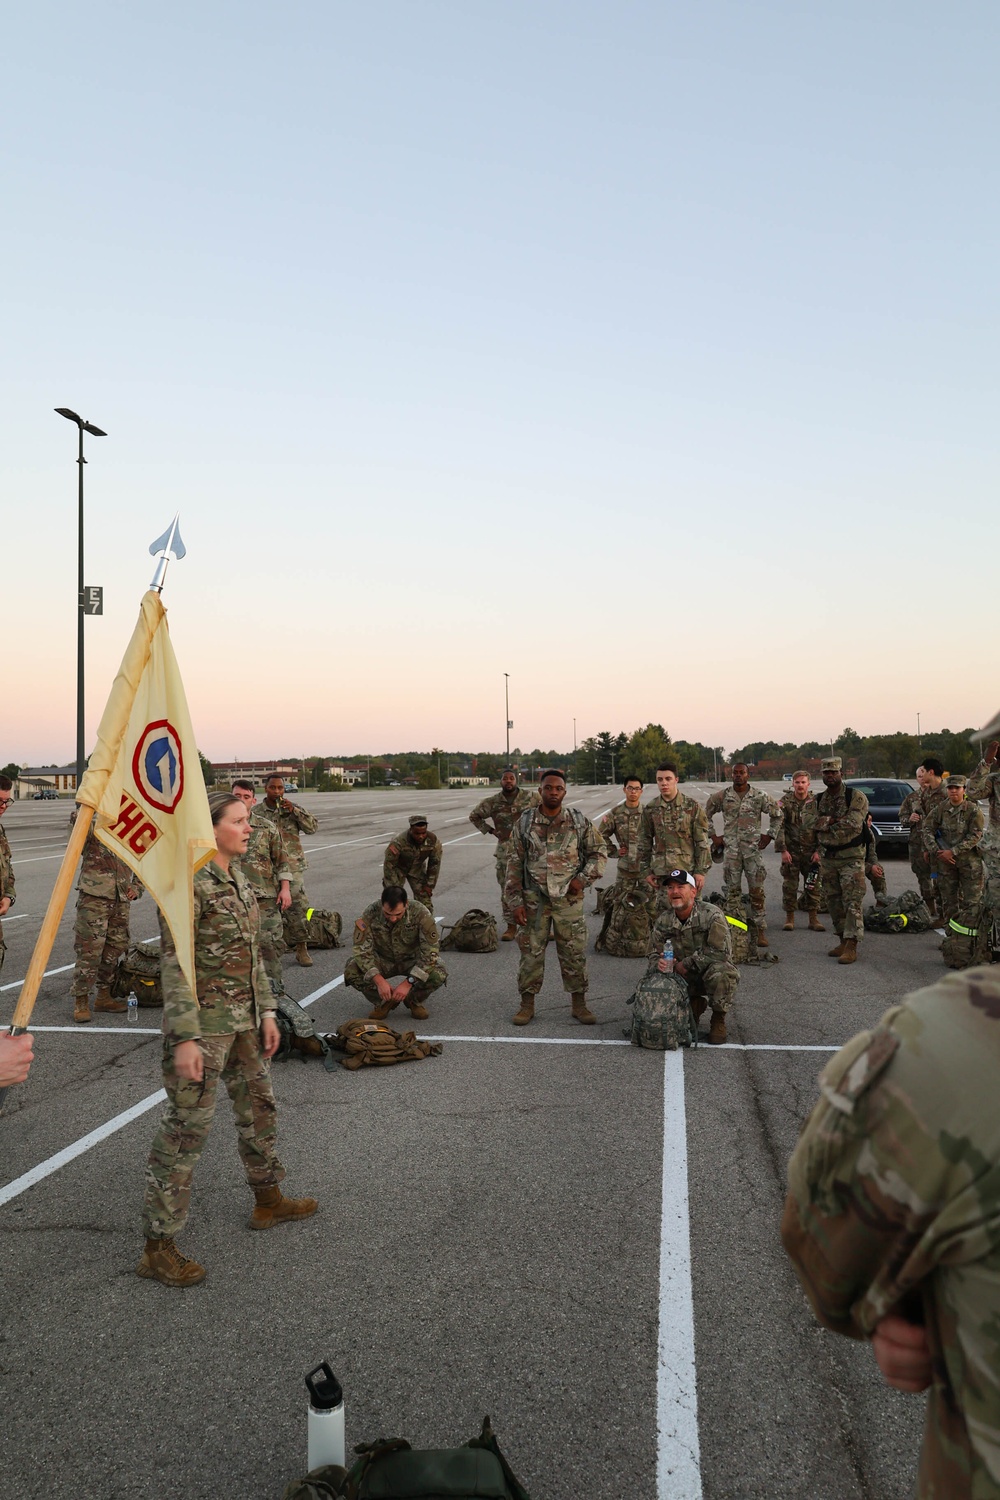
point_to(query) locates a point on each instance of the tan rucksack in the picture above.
(474, 932)
(366, 1043)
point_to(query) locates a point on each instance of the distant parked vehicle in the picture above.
(884, 801)
(48, 795)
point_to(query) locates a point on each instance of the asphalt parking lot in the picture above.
(550, 1226)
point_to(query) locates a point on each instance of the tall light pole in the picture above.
(82, 427)
(506, 699)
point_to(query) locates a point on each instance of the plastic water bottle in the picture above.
(325, 1423)
(668, 956)
(133, 1008)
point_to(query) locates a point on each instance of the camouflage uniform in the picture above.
(984, 786)
(101, 935)
(233, 997)
(504, 812)
(918, 859)
(877, 882)
(417, 865)
(673, 835)
(894, 1206)
(622, 824)
(702, 945)
(290, 824)
(407, 948)
(266, 865)
(842, 857)
(961, 829)
(545, 856)
(798, 836)
(930, 798)
(6, 884)
(741, 829)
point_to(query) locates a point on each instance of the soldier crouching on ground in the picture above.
(555, 853)
(106, 890)
(892, 1216)
(414, 858)
(225, 1034)
(497, 815)
(395, 937)
(699, 933)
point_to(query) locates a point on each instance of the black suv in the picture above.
(884, 801)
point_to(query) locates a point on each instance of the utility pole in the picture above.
(612, 768)
(81, 601)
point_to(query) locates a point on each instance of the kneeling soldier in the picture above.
(700, 935)
(414, 857)
(392, 937)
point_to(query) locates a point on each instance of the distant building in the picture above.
(32, 779)
(468, 781)
(257, 771)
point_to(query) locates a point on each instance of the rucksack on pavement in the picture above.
(298, 1034)
(367, 1043)
(604, 897)
(626, 930)
(323, 928)
(905, 913)
(662, 1018)
(969, 938)
(392, 1470)
(474, 932)
(138, 974)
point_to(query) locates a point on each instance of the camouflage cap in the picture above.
(831, 763)
(417, 820)
(957, 781)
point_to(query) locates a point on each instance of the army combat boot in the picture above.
(850, 951)
(302, 956)
(815, 925)
(272, 1208)
(789, 919)
(415, 1005)
(510, 934)
(104, 1000)
(527, 1011)
(836, 952)
(162, 1261)
(81, 1009)
(580, 1011)
(717, 1032)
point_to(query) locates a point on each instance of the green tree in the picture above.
(645, 749)
(13, 770)
(428, 779)
(207, 769)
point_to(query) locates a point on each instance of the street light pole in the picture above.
(82, 427)
(506, 699)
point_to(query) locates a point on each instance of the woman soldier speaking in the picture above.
(226, 1034)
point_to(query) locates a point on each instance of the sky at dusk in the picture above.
(646, 352)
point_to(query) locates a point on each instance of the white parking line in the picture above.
(316, 848)
(47, 975)
(39, 858)
(19, 918)
(462, 840)
(70, 1153)
(678, 1456)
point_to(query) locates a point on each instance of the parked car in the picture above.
(48, 795)
(884, 800)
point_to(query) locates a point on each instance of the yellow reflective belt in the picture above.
(309, 913)
(965, 931)
(735, 922)
(900, 916)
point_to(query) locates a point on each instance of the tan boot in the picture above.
(580, 1012)
(302, 956)
(762, 941)
(417, 1011)
(527, 1011)
(836, 952)
(163, 1262)
(789, 919)
(717, 1033)
(272, 1208)
(850, 953)
(380, 1012)
(104, 1000)
(81, 1009)
(815, 925)
(510, 934)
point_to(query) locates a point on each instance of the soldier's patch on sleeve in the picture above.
(392, 849)
(360, 926)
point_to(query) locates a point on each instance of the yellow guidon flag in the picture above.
(144, 779)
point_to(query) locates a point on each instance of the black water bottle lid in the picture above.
(325, 1392)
